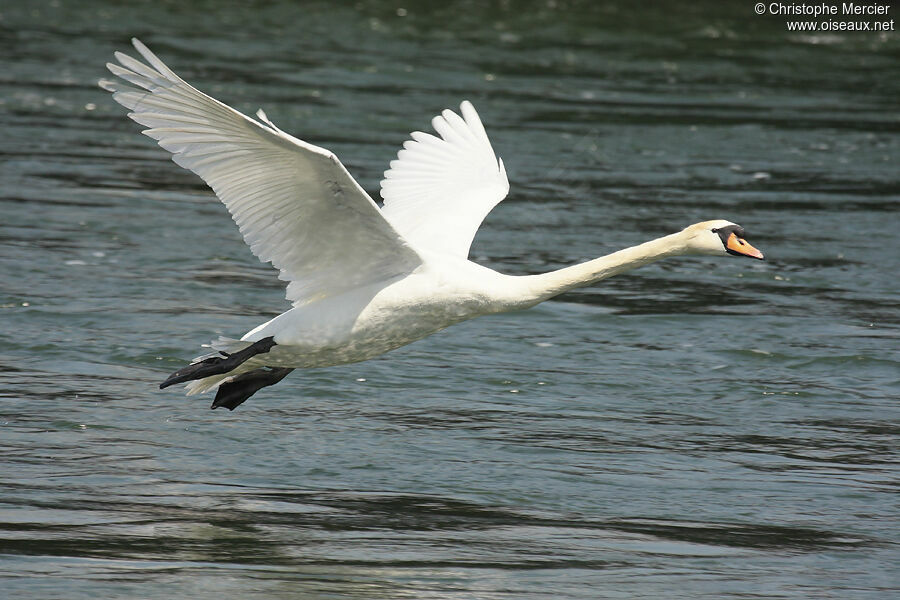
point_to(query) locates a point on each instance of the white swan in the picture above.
(362, 280)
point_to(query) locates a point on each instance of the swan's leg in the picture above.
(233, 392)
(216, 365)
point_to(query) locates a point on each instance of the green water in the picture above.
(699, 428)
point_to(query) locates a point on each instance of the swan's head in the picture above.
(718, 238)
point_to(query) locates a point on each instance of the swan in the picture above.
(362, 280)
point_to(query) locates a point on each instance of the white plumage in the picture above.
(296, 205)
(362, 280)
(440, 189)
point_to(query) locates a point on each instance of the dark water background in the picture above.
(700, 428)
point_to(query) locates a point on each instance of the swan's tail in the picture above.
(198, 386)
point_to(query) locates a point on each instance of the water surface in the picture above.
(700, 428)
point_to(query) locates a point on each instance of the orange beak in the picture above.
(740, 246)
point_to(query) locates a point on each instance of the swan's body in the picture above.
(362, 280)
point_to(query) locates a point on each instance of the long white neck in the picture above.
(546, 285)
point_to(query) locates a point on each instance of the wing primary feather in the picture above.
(294, 203)
(439, 189)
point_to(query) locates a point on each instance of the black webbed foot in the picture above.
(232, 393)
(217, 365)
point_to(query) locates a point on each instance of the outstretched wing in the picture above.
(296, 205)
(440, 189)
